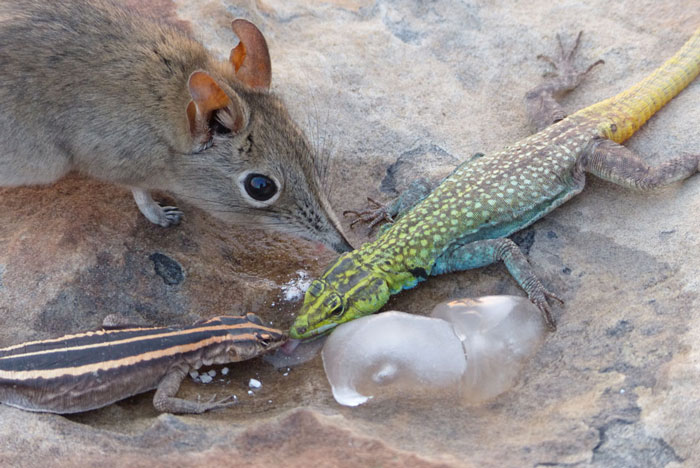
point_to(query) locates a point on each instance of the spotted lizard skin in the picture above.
(465, 221)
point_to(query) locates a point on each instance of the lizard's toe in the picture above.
(372, 216)
(214, 404)
(563, 63)
(540, 298)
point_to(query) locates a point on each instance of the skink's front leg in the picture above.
(485, 252)
(165, 401)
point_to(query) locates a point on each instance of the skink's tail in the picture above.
(623, 114)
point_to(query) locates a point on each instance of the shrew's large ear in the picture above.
(211, 110)
(250, 58)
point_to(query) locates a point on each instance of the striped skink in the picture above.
(89, 370)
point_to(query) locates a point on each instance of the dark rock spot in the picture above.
(167, 268)
(524, 239)
(623, 444)
(622, 328)
(410, 162)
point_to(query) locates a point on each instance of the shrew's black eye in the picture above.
(260, 187)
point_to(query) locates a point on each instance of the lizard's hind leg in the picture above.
(615, 163)
(541, 102)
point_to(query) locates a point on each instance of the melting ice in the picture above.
(472, 346)
(499, 333)
(391, 353)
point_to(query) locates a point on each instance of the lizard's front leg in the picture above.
(165, 401)
(485, 252)
(415, 193)
(541, 102)
(378, 213)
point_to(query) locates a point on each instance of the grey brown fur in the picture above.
(87, 86)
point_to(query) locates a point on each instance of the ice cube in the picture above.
(254, 383)
(392, 354)
(499, 334)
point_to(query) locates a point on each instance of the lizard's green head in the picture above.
(325, 307)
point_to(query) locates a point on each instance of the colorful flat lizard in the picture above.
(465, 221)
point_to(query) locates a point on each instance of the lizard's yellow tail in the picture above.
(623, 114)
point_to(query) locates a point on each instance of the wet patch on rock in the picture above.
(424, 160)
(624, 444)
(167, 268)
(116, 286)
(525, 239)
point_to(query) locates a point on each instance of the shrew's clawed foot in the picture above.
(563, 63)
(372, 216)
(540, 297)
(171, 216)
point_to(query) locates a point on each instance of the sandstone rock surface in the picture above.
(414, 86)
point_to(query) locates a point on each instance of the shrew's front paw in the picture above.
(161, 215)
(564, 67)
(171, 216)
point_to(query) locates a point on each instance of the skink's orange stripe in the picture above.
(129, 340)
(127, 361)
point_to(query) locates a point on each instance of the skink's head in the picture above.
(344, 293)
(247, 337)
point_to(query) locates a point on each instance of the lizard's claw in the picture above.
(213, 404)
(539, 297)
(563, 63)
(372, 216)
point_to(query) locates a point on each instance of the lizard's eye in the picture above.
(338, 311)
(335, 305)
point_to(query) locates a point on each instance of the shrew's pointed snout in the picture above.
(334, 238)
(343, 245)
